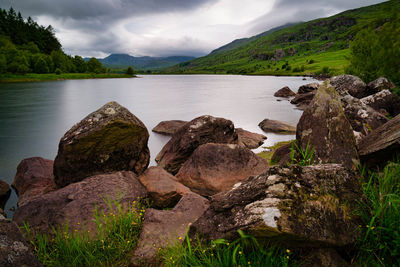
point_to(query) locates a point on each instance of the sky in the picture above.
(167, 27)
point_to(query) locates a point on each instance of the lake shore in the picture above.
(34, 77)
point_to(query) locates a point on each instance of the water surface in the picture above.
(34, 116)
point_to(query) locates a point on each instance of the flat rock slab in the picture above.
(382, 144)
(163, 227)
(202, 130)
(249, 139)
(213, 168)
(14, 251)
(275, 126)
(163, 188)
(76, 202)
(168, 127)
(107, 140)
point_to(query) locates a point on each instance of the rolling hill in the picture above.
(315, 47)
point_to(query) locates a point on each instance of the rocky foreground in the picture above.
(210, 181)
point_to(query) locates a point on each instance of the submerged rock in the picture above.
(325, 128)
(76, 202)
(249, 139)
(168, 127)
(213, 168)
(302, 206)
(284, 92)
(202, 130)
(275, 126)
(109, 139)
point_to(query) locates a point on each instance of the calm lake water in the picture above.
(34, 116)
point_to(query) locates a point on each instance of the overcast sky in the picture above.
(167, 27)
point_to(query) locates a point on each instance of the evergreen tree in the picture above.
(130, 71)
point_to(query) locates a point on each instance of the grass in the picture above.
(379, 211)
(34, 77)
(245, 251)
(116, 236)
(267, 154)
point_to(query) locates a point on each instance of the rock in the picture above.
(76, 202)
(168, 127)
(107, 140)
(249, 139)
(363, 119)
(325, 127)
(279, 54)
(323, 257)
(202, 130)
(282, 155)
(163, 188)
(276, 126)
(307, 206)
(308, 88)
(14, 251)
(303, 100)
(34, 178)
(350, 84)
(5, 192)
(380, 84)
(284, 92)
(214, 168)
(163, 227)
(383, 100)
(382, 144)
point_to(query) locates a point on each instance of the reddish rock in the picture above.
(202, 130)
(382, 144)
(308, 88)
(349, 84)
(76, 202)
(34, 178)
(109, 139)
(14, 250)
(282, 155)
(163, 227)
(5, 192)
(277, 126)
(213, 168)
(168, 127)
(163, 188)
(284, 92)
(249, 139)
(325, 128)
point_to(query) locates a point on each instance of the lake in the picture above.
(34, 116)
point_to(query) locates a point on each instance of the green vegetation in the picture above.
(300, 156)
(130, 71)
(379, 244)
(317, 47)
(267, 154)
(117, 234)
(245, 251)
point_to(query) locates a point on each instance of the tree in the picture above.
(130, 71)
(40, 66)
(3, 64)
(95, 66)
(80, 64)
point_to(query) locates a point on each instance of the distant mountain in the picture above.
(142, 63)
(239, 42)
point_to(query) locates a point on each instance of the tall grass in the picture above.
(245, 251)
(116, 235)
(379, 210)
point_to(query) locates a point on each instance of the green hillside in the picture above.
(315, 47)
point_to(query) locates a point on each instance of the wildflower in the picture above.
(248, 263)
(212, 254)
(128, 241)
(170, 258)
(287, 257)
(180, 238)
(78, 223)
(372, 228)
(227, 244)
(367, 226)
(204, 250)
(288, 251)
(240, 253)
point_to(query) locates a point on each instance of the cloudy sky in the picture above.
(167, 27)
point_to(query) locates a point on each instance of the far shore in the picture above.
(34, 77)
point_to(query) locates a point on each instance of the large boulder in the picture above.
(249, 139)
(325, 128)
(275, 126)
(5, 192)
(76, 202)
(34, 178)
(109, 139)
(168, 127)
(213, 168)
(349, 84)
(14, 250)
(166, 227)
(308, 88)
(383, 100)
(163, 188)
(281, 155)
(284, 92)
(202, 130)
(303, 206)
(380, 84)
(382, 144)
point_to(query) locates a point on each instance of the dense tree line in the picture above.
(375, 51)
(26, 47)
